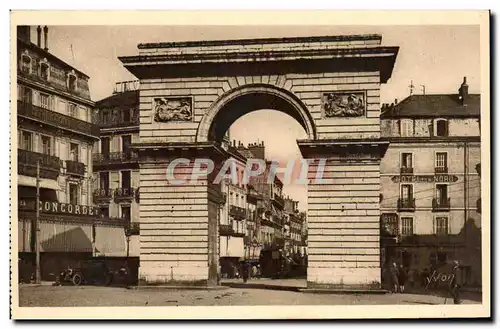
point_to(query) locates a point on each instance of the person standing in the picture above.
(456, 282)
(402, 278)
(394, 277)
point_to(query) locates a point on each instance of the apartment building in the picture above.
(430, 183)
(116, 166)
(54, 112)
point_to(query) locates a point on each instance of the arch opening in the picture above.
(241, 101)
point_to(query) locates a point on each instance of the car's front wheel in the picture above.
(77, 279)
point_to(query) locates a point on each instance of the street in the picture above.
(46, 295)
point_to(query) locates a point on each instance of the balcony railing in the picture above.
(117, 122)
(125, 194)
(279, 200)
(114, 157)
(133, 228)
(441, 170)
(237, 212)
(441, 204)
(406, 171)
(102, 195)
(406, 204)
(56, 119)
(50, 166)
(75, 168)
(226, 229)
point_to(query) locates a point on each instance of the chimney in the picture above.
(463, 92)
(257, 150)
(39, 36)
(234, 142)
(24, 33)
(396, 101)
(45, 37)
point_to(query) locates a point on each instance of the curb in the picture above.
(345, 291)
(261, 286)
(167, 287)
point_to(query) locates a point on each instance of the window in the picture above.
(406, 128)
(104, 180)
(44, 71)
(126, 141)
(406, 226)
(45, 101)
(441, 160)
(442, 194)
(73, 152)
(442, 128)
(26, 64)
(46, 145)
(407, 160)
(27, 141)
(73, 193)
(126, 115)
(72, 82)
(104, 212)
(72, 110)
(126, 213)
(407, 192)
(125, 179)
(105, 145)
(26, 95)
(441, 225)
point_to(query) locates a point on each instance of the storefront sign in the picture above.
(59, 208)
(424, 179)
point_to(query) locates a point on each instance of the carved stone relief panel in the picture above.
(344, 104)
(172, 109)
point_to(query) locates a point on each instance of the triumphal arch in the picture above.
(191, 93)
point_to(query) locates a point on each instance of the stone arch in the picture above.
(248, 98)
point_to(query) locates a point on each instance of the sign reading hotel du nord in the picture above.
(425, 179)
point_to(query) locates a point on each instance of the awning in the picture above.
(31, 181)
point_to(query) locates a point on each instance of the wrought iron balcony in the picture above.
(114, 157)
(117, 122)
(75, 168)
(406, 204)
(102, 195)
(133, 228)
(226, 229)
(441, 170)
(441, 204)
(56, 119)
(406, 171)
(50, 166)
(125, 194)
(279, 201)
(237, 212)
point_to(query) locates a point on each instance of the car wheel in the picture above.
(77, 279)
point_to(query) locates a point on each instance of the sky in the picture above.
(435, 56)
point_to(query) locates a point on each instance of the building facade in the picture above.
(116, 166)
(55, 130)
(430, 183)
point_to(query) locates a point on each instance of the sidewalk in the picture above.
(266, 283)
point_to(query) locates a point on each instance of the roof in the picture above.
(246, 153)
(125, 99)
(327, 38)
(51, 57)
(447, 105)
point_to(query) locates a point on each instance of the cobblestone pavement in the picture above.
(31, 295)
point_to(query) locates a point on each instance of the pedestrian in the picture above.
(456, 282)
(402, 276)
(394, 277)
(411, 278)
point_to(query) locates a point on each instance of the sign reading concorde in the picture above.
(425, 179)
(59, 208)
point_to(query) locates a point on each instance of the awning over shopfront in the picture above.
(31, 181)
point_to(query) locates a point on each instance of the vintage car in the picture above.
(94, 272)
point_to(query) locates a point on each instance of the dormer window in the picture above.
(441, 128)
(25, 63)
(72, 82)
(406, 127)
(44, 71)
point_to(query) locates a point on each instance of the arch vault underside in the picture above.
(191, 92)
